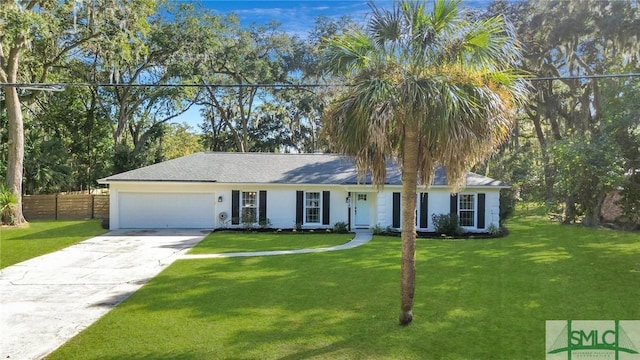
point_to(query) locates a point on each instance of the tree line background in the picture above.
(577, 138)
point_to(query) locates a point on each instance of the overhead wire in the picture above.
(61, 85)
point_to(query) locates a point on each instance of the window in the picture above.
(249, 207)
(467, 209)
(312, 207)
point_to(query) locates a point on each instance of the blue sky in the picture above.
(296, 16)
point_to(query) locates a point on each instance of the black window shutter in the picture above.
(349, 209)
(326, 196)
(481, 206)
(262, 211)
(424, 210)
(453, 208)
(235, 207)
(396, 210)
(299, 207)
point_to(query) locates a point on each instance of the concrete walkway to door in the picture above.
(47, 300)
(361, 237)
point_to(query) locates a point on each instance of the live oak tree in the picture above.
(567, 40)
(428, 89)
(621, 112)
(589, 166)
(146, 92)
(302, 108)
(179, 140)
(19, 24)
(233, 65)
(38, 35)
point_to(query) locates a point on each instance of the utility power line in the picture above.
(578, 77)
(61, 86)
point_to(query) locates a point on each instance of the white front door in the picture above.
(361, 209)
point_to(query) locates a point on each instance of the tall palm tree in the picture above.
(426, 89)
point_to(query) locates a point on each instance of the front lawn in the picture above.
(238, 241)
(476, 299)
(42, 237)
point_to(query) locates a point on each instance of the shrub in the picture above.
(630, 202)
(447, 224)
(341, 227)
(8, 202)
(494, 230)
(265, 223)
(507, 204)
(247, 222)
(378, 230)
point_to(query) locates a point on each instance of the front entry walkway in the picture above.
(47, 300)
(362, 237)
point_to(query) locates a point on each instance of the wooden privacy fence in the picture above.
(65, 207)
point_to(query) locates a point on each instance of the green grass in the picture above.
(234, 241)
(42, 237)
(475, 299)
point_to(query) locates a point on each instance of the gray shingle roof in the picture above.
(269, 168)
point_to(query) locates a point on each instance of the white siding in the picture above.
(385, 209)
(492, 214)
(439, 203)
(197, 205)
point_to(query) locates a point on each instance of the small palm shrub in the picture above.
(264, 223)
(340, 227)
(8, 203)
(494, 230)
(378, 230)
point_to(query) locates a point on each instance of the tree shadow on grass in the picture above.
(323, 305)
(76, 229)
(155, 355)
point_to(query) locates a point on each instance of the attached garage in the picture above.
(166, 210)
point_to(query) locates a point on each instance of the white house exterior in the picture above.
(227, 190)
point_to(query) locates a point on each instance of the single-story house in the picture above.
(226, 190)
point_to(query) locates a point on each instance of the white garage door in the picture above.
(161, 210)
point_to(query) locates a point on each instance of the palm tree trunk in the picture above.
(409, 183)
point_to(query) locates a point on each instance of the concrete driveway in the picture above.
(49, 299)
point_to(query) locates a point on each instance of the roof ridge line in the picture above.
(265, 153)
